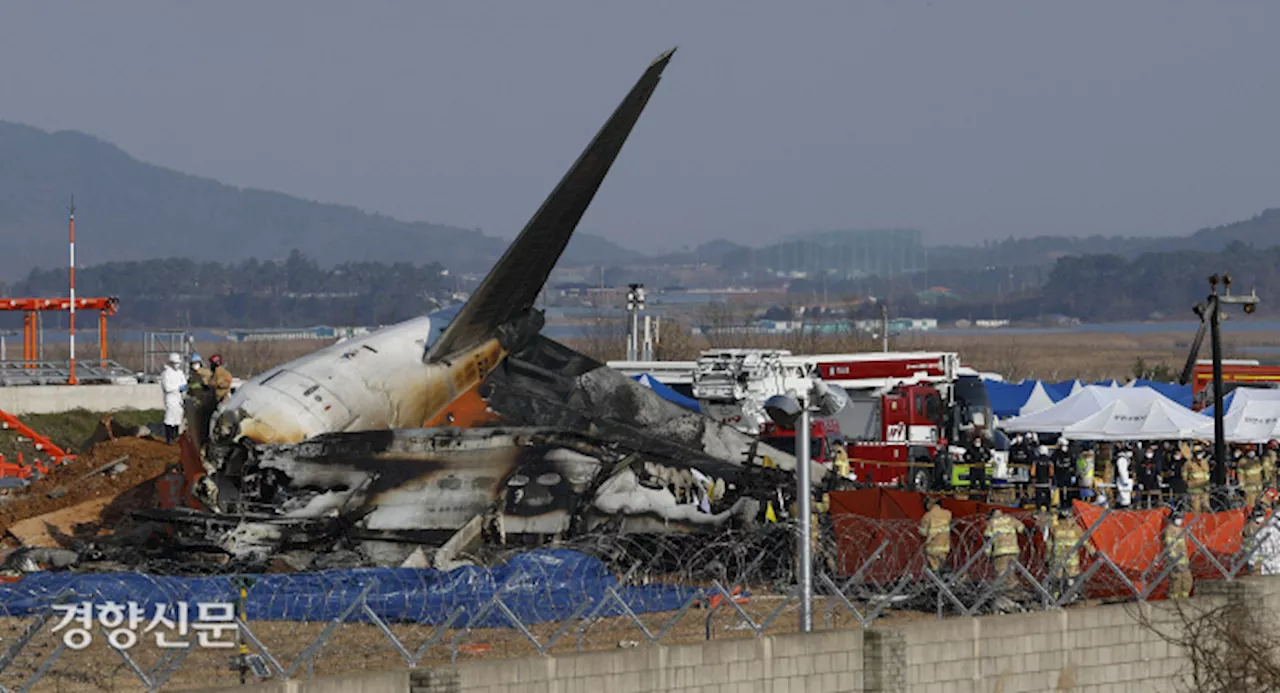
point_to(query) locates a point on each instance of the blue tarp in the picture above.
(1178, 393)
(542, 585)
(1007, 398)
(1059, 391)
(665, 392)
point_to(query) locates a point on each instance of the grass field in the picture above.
(1088, 356)
(1085, 355)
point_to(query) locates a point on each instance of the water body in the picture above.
(1188, 327)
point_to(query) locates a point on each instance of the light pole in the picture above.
(1210, 314)
(791, 411)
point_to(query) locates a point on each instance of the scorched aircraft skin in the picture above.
(334, 445)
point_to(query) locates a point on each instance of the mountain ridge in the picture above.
(135, 210)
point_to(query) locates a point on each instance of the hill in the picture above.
(132, 210)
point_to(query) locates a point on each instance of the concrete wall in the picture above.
(1101, 649)
(52, 399)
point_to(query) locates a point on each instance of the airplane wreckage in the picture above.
(443, 432)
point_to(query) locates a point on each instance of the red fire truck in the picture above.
(901, 405)
(1235, 373)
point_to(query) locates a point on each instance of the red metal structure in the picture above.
(9, 422)
(30, 325)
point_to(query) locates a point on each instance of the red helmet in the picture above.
(1273, 444)
(215, 360)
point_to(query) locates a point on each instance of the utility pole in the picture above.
(804, 508)
(1210, 314)
(635, 306)
(71, 322)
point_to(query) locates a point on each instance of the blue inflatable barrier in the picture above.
(543, 585)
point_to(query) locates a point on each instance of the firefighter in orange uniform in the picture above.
(935, 527)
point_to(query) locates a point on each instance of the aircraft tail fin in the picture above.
(511, 287)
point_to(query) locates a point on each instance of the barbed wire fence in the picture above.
(601, 591)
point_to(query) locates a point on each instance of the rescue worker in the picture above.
(200, 377)
(173, 382)
(1064, 555)
(1084, 475)
(1172, 473)
(1196, 473)
(1064, 471)
(840, 461)
(1124, 479)
(1002, 532)
(220, 380)
(1249, 474)
(1042, 476)
(1262, 539)
(1176, 556)
(942, 465)
(1148, 478)
(1269, 472)
(979, 456)
(935, 527)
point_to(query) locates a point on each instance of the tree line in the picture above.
(1102, 287)
(178, 292)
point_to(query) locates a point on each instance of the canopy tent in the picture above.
(665, 392)
(1064, 389)
(1016, 399)
(1139, 418)
(1253, 416)
(1112, 413)
(1178, 393)
(1108, 383)
(1038, 400)
(1083, 404)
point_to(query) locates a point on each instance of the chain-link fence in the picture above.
(602, 591)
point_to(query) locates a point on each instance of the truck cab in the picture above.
(824, 434)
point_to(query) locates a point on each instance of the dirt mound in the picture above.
(147, 460)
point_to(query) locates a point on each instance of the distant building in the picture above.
(847, 254)
(899, 325)
(287, 334)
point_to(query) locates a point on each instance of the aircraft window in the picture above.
(307, 392)
(518, 480)
(549, 479)
(366, 346)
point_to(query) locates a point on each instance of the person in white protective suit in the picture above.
(173, 383)
(1264, 534)
(1124, 479)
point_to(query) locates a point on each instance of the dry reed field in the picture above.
(1086, 355)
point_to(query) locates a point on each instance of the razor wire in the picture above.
(611, 590)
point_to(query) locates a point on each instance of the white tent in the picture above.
(1097, 412)
(1038, 400)
(1082, 403)
(1138, 418)
(1253, 417)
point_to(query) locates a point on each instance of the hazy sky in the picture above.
(969, 119)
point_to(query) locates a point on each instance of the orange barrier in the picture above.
(868, 520)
